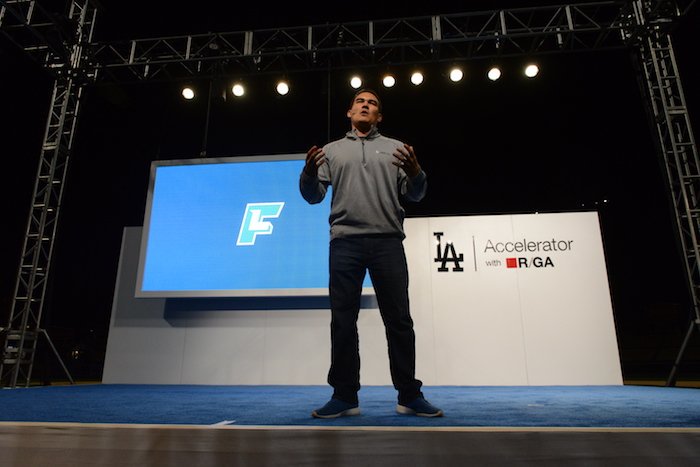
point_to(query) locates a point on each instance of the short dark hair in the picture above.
(371, 91)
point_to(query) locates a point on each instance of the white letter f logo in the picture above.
(254, 222)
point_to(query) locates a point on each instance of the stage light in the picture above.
(494, 73)
(238, 90)
(417, 78)
(188, 93)
(282, 88)
(456, 74)
(355, 82)
(388, 81)
(531, 70)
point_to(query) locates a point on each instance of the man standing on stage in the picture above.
(370, 174)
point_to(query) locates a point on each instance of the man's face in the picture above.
(364, 112)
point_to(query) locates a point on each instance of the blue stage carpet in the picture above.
(471, 406)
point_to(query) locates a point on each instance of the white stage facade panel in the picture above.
(517, 299)
(511, 299)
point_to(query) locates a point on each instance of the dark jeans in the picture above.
(385, 260)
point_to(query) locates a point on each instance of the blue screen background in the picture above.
(195, 217)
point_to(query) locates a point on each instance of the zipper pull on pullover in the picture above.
(364, 161)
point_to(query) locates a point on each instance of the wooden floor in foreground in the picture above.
(66, 444)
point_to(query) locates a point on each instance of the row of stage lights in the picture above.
(456, 75)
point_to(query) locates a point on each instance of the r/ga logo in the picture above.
(255, 223)
(535, 262)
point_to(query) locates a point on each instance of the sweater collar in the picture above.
(374, 133)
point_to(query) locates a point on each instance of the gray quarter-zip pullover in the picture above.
(367, 187)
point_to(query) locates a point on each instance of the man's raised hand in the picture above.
(315, 157)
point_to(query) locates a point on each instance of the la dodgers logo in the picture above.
(448, 255)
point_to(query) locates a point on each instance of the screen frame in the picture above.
(271, 292)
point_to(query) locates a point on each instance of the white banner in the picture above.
(512, 299)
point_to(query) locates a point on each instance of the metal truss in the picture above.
(24, 327)
(452, 37)
(676, 143)
(41, 34)
(64, 46)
